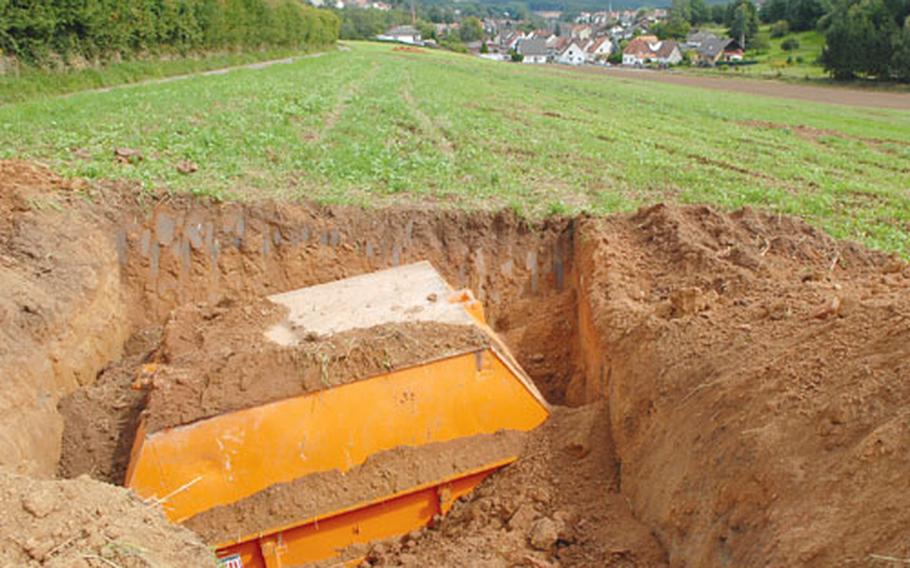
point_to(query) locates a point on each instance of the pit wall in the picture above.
(64, 318)
(185, 251)
(127, 273)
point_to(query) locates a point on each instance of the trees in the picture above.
(780, 28)
(35, 31)
(692, 12)
(742, 21)
(774, 11)
(861, 38)
(678, 24)
(801, 15)
(900, 61)
(700, 12)
(789, 44)
(718, 13)
(804, 14)
(471, 29)
(358, 23)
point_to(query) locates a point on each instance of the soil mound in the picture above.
(88, 524)
(757, 383)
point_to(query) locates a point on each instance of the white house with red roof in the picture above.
(599, 49)
(571, 53)
(649, 49)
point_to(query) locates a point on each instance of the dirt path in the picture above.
(222, 71)
(762, 87)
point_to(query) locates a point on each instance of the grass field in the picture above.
(372, 125)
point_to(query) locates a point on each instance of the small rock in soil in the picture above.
(543, 534)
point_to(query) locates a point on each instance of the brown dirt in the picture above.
(871, 97)
(756, 386)
(217, 359)
(753, 368)
(61, 310)
(408, 49)
(382, 474)
(558, 505)
(100, 420)
(82, 523)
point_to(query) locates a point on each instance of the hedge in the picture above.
(40, 31)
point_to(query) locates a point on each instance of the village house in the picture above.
(582, 32)
(534, 50)
(401, 34)
(696, 38)
(707, 49)
(648, 49)
(599, 49)
(714, 50)
(571, 53)
(617, 33)
(510, 40)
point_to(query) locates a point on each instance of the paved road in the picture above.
(765, 87)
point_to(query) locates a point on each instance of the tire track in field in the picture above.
(351, 90)
(429, 127)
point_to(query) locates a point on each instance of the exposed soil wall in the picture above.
(758, 386)
(62, 308)
(184, 252)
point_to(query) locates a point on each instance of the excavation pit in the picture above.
(728, 389)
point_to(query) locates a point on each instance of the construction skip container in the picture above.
(449, 414)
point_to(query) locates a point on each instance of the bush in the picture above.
(39, 32)
(759, 43)
(789, 44)
(780, 28)
(452, 43)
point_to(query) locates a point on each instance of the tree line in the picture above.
(863, 38)
(38, 32)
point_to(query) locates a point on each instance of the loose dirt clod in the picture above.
(86, 523)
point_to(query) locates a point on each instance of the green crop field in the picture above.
(374, 125)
